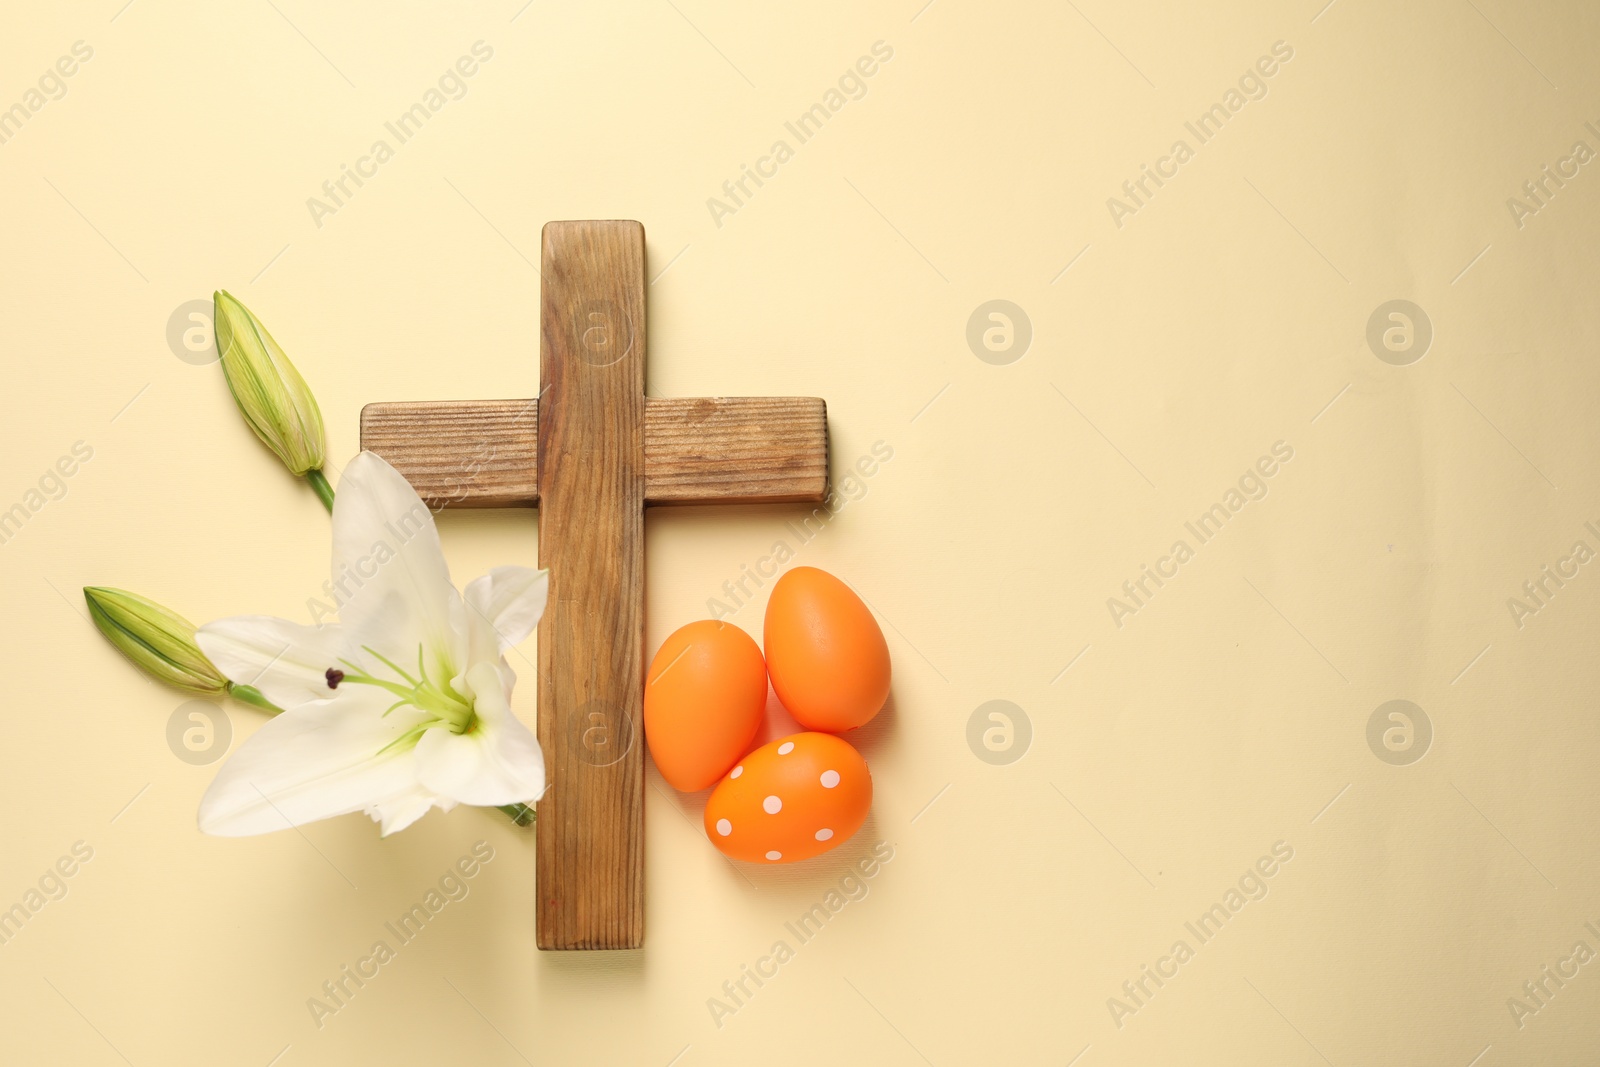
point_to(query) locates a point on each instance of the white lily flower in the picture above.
(401, 706)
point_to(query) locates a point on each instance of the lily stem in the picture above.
(521, 814)
(249, 694)
(319, 482)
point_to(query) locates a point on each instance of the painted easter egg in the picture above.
(791, 799)
(826, 655)
(703, 702)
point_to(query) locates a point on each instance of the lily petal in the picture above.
(503, 607)
(497, 762)
(288, 662)
(386, 547)
(398, 812)
(314, 762)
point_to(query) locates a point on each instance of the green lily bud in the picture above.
(271, 395)
(159, 642)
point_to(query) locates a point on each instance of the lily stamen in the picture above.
(443, 705)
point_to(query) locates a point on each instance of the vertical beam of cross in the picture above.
(591, 539)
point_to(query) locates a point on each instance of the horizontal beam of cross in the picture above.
(697, 450)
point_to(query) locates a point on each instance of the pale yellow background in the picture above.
(1226, 315)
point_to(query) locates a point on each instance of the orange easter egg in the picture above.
(825, 653)
(791, 799)
(703, 702)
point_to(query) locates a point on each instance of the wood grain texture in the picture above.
(697, 450)
(590, 868)
(735, 450)
(460, 453)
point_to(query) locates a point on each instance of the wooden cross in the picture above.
(592, 451)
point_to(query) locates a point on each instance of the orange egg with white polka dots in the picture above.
(790, 799)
